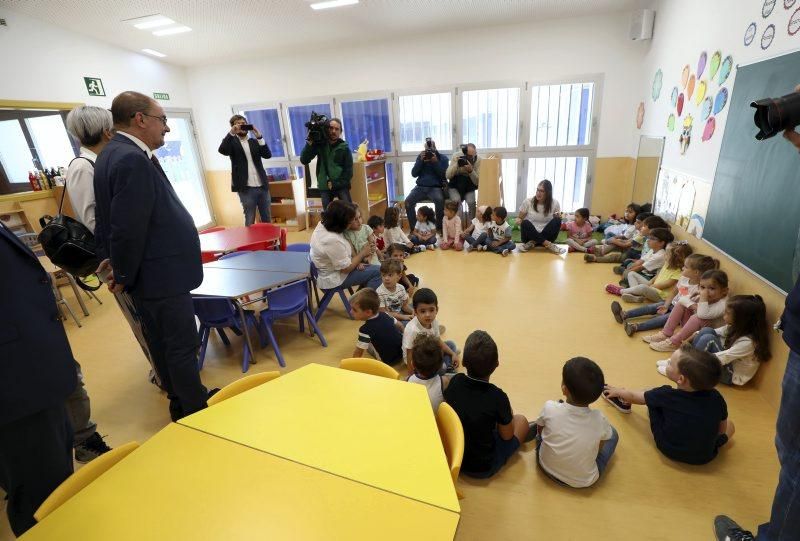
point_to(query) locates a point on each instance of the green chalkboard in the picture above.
(754, 212)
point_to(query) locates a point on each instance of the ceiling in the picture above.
(234, 29)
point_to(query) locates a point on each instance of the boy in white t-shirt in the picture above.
(392, 295)
(575, 442)
(427, 364)
(499, 240)
(426, 306)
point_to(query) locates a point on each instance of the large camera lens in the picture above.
(774, 115)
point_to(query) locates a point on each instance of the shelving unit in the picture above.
(369, 187)
(294, 208)
(13, 215)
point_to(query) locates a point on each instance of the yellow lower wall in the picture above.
(612, 185)
(225, 204)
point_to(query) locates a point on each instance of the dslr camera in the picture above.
(774, 115)
(465, 159)
(429, 146)
(317, 127)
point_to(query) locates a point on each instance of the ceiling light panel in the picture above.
(333, 4)
(171, 30)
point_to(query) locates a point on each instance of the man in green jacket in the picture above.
(334, 164)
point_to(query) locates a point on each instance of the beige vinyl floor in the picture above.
(541, 309)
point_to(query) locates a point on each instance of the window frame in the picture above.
(524, 102)
(239, 109)
(439, 89)
(287, 134)
(365, 96)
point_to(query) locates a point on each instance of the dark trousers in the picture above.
(35, 457)
(549, 233)
(342, 194)
(425, 193)
(171, 335)
(253, 198)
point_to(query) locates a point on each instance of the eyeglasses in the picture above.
(163, 119)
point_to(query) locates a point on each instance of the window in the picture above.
(490, 118)
(568, 175)
(425, 115)
(510, 173)
(367, 119)
(298, 116)
(408, 181)
(268, 123)
(15, 155)
(51, 141)
(561, 115)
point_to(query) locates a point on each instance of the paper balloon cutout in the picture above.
(688, 121)
(794, 22)
(766, 9)
(700, 92)
(690, 87)
(680, 104)
(725, 69)
(749, 34)
(708, 131)
(768, 36)
(685, 76)
(657, 82)
(788, 3)
(674, 97)
(671, 123)
(640, 115)
(707, 105)
(701, 64)
(720, 100)
(714, 66)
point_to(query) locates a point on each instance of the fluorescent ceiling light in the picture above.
(154, 53)
(151, 21)
(333, 4)
(172, 30)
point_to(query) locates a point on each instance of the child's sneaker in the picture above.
(484, 247)
(422, 247)
(664, 345)
(728, 530)
(619, 269)
(556, 249)
(616, 309)
(527, 246)
(589, 258)
(470, 247)
(618, 403)
(613, 289)
(631, 328)
(504, 253)
(657, 337)
(629, 297)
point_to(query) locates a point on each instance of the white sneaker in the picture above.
(504, 253)
(556, 249)
(527, 246)
(422, 247)
(470, 248)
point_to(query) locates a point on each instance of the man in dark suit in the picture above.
(248, 177)
(151, 245)
(37, 374)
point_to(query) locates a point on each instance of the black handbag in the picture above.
(69, 244)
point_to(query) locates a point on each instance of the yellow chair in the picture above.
(241, 385)
(452, 434)
(81, 478)
(366, 365)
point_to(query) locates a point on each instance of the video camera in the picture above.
(774, 115)
(429, 146)
(317, 127)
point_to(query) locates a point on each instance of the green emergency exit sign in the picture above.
(161, 95)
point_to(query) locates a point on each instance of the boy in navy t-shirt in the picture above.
(690, 423)
(380, 335)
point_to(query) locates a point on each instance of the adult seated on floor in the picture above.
(539, 220)
(333, 256)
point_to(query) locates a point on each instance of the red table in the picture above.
(228, 240)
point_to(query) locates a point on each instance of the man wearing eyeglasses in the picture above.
(149, 246)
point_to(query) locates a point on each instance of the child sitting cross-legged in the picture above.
(451, 227)
(475, 235)
(380, 335)
(575, 442)
(426, 306)
(645, 269)
(689, 423)
(427, 364)
(580, 232)
(499, 239)
(393, 296)
(640, 248)
(424, 234)
(393, 233)
(659, 288)
(492, 432)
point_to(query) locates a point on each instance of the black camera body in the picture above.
(317, 127)
(774, 115)
(462, 161)
(428, 148)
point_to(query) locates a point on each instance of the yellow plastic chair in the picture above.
(83, 477)
(452, 434)
(366, 365)
(241, 385)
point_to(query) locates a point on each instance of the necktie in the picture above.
(158, 165)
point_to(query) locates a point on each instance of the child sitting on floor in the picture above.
(376, 223)
(392, 295)
(624, 226)
(427, 363)
(651, 263)
(575, 442)
(426, 306)
(359, 234)
(580, 232)
(657, 289)
(690, 423)
(499, 239)
(475, 235)
(392, 232)
(424, 235)
(632, 259)
(398, 252)
(492, 432)
(380, 335)
(451, 227)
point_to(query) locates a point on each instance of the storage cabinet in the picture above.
(288, 203)
(370, 188)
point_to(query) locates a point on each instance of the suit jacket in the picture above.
(231, 146)
(37, 370)
(142, 226)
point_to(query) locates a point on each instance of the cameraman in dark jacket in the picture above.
(334, 164)
(429, 169)
(463, 176)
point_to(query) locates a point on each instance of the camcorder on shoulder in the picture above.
(317, 127)
(774, 115)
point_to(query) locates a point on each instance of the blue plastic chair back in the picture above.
(299, 247)
(215, 311)
(287, 300)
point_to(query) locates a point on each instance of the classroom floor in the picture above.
(541, 309)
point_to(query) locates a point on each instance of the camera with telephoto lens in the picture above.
(774, 115)
(428, 148)
(317, 127)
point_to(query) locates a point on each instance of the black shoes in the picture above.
(93, 447)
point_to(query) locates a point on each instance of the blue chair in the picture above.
(299, 247)
(287, 301)
(327, 295)
(218, 313)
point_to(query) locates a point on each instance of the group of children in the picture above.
(712, 339)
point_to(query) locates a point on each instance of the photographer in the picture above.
(334, 161)
(248, 177)
(429, 169)
(463, 176)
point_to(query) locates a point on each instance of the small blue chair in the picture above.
(299, 247)
(218, 313)
(327, 295)
(287, 301)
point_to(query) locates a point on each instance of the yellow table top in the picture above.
(185, 484)
(377, 431)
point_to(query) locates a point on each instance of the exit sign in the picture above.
(161, 95)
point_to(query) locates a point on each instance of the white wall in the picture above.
(45, 63)
(546, 51)
(685, 28)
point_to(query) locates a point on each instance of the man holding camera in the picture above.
(334, 162)
(463, 176)
(248, 177)
(429, 169)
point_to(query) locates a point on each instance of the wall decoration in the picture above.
(767, 36)
(640, 115)
(787, 4)
(766, 9)
(685, 76)
(708, 104)
(725, 69)
(700, 92)
(690, 87)
(682, 200)
(794, 22)
(668, 194)
(657, 82)
(674, 97)
(701, 63)
(749, 34)
(720, 100)
(679, 106)
(716, 58)
(671, 123)
(686, 134)
(708, 131)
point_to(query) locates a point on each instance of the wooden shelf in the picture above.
(281, 183)
(373, 203)
(364, 189)
(374, 180)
